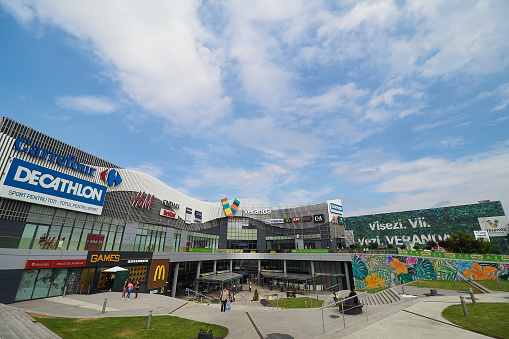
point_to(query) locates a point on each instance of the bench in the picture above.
(351, 308)
(264, 302)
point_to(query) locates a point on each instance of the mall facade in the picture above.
(67, 216)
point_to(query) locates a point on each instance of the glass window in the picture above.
(26, 286)
(75, 243)
(57, 282)
(53, 237)
(39, 242)
(118, 238)
(28, 236)
(42, 283)
(65, 235)
(111, 239)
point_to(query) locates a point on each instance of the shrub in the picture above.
(256, 296)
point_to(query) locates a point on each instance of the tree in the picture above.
(390, 246)
(464, 242)
(255, 295)
(416, 247)
(373, 245)
(402, 247)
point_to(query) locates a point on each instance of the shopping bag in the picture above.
(228, 306)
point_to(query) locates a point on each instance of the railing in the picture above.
(198, 295)
(333, 288)
(341, 302)
(275, 301)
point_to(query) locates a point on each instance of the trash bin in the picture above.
(271, 287)
(241, 288)
(282, 289)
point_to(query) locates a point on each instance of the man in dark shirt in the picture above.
(353, 294)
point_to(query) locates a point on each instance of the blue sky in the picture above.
(387, 105)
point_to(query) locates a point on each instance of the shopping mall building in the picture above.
(66, 217)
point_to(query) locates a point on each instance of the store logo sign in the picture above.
(105, 258)
(143, 201)
(24, 145)
(492, 224)
(159, 273)
(335, 208)
(296, 219)
(230, 211)
(307, 218)
(288, 220)
(169, 214)
(111, 177)
(274, 221)
(318, 218)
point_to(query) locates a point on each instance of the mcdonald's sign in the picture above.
(158, 273)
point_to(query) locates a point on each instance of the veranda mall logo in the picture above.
(230, 211)
(492, 224)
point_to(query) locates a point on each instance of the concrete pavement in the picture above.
(417, 317)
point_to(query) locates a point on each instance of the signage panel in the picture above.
(296, 219)
(335, 208)
(307, 218)
(274, 221)
(169, 214)
(318, 218)
(99, 258)
(288, 220)
(495, 226)
(189, 210)
(37, 264)
(158, 273)
(40, 185)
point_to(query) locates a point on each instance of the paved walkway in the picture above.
(416, 317)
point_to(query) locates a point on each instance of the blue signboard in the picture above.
(335, 208)
(40, 185)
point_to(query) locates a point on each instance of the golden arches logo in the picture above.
(160, 271)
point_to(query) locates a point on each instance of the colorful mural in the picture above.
(372, 270)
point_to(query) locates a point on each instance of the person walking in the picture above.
(124, 289)
(129, 290)
(42, 240)
(136, 288)
(224, 297)
(250, 287)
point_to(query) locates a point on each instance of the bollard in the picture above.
(472, 296)
(311, 301)
(464, 305)
(491, 278)
(454, 282)
(149, 319)
(305, 304)
(417, 281)
(498, 284)
(403, 288)
(104, 305)
(201, 300)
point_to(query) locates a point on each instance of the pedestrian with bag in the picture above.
(136, 288)
(223, 297)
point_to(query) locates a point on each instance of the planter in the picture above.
(206, 335)
(433, 292)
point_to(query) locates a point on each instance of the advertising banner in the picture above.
(420, 226)
(37, 264)
(459, 256)
(495, 226)
(158, 273)
(40, 185)
(110, 259)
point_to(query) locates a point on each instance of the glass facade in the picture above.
(149, 238)
(41, 283)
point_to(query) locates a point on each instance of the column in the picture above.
(196, 283)
(215, 265)
(312, 266)
(259, 269)
(347, 273)
(231, 265)
(175, 277)
(284, 265)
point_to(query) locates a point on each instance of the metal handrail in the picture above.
(330, 288)
(342, 309)
(276, 301)
(343, 300)
(197, 294)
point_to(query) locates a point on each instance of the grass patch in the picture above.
(484, 318)
(504, 285)
(372, 290)
(127, 327)
(299, 302)
(444, 285)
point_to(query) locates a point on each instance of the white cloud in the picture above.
(425, 182)
(303, 196)
(150, 169)
(451, 142)
(87, 104)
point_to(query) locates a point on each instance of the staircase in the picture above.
(16, 324)
(384, 297)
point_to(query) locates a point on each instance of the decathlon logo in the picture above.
(111, 177)
(230, 211)
(492, 224)
(159, 273)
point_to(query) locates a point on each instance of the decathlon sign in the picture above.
(40, 185)
(274, 221)
(24, 145)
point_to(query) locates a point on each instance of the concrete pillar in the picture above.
(198, 269)
(347, 273)
(259, 269)
(312, 267)
(231, 265)
(284, 265)
(175, 277)
(215, 265)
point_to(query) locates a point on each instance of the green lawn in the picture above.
(504, 285)
(298, 302)
(127, 327)
(444, 285)
(486, 318)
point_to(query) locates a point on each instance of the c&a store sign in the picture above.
(99, 258)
